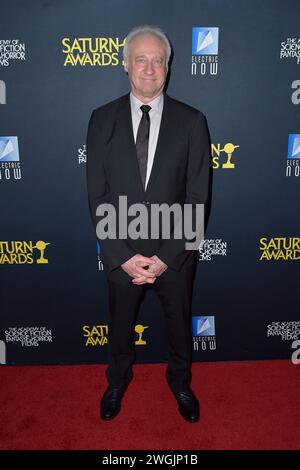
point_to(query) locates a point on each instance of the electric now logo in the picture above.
(205, 41)
(205, 50)
(9, 149)
(294, 146)
(204, 326)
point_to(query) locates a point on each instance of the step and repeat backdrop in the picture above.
(239, 63)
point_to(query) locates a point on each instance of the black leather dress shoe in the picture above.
(111, 402)
(188, 405)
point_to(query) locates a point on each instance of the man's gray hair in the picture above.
(147, 29)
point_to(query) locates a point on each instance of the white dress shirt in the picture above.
(155, 114)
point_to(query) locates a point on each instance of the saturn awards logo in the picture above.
(279, 249)
(22, 252)
(140, 329)
(223, 156)
(93, 52)
(96, 335)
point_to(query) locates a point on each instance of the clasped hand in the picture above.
(144, 270)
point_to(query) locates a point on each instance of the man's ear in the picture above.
(125, 67)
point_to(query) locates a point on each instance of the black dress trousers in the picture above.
(174, 291)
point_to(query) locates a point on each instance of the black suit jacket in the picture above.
(180, 174)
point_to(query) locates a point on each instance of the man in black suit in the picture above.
(153, 150)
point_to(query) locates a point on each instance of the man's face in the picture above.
(146, 66)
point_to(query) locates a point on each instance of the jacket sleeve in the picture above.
(173, 251)
(114, 251)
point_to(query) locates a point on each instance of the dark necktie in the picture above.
(142, 142)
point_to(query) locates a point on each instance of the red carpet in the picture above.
(244, 405)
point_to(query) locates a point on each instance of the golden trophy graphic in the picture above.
(40, 245)
(139, 329)
(229, 149)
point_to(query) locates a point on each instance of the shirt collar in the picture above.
(156, 104)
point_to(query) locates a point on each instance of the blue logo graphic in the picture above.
(205, 41)
(9, 149)
(98, 248)
(204, 326)
(294, 146)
